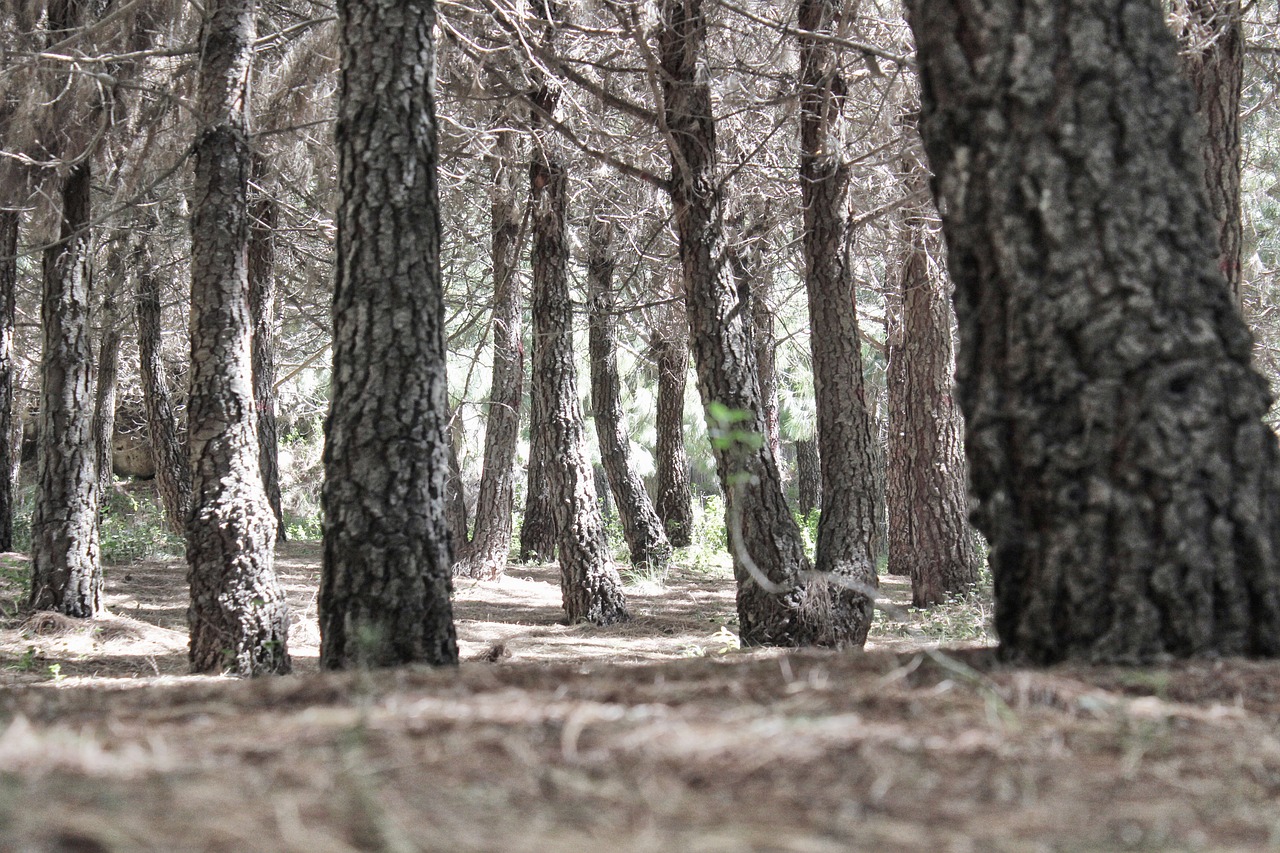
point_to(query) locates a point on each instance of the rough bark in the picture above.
(262, 312)
(386, 581)
(589, 582)
(8, 451)
(1125, 481)
(104, 409)
(790, 608)
(173, 473)
(670, 349)
(929, 540)
(808, 476)
(1213, 56)
(455, 502)
(238, 615)
(65, 572)
(641, 527)
(490, 546)
(537, 527)
(851, 503)
(749, 269)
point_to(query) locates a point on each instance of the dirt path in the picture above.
(657, 737)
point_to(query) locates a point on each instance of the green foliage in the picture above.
(304, 528)
(133, 528)
(809, 530)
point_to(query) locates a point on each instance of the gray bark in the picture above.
(1126, 483)
(8, 451)
(386, 581)
(641, 526)
(65, 572)
(238, 615)
(490, 546)
(262, 311)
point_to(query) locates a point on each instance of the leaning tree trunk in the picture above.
(589, 582)
(929, 540)
(491, 543)
(173, 472)
(262, 312)
(851, 501)
(1213, 56)
(65, 572)
(386, 583)
(239, 617)
(1126, 483)
(8, 450)
(778, 602)
(641, 526)
(670, 349)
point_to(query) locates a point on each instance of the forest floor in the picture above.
(658, 735)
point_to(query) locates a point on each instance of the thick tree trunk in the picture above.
(238, 615)
(384, 595)
(173, 472)
(1126, 483)
(8, 450)
(589, 582)
(641, 526)
(65, 572)
(778, 602)
(929, 540)
(851, 502)
(1213, 56)
(491, 544)
(670, 349)
(262, 312)
(808, 476)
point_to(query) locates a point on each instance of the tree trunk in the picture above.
(641, 526)
(1213, 56)
(65, 572)
(455, 502)
(8, 451)
(384, 596)
(778, 602)
(850, 500)
(930, 540)
(104, 411)
(238, 615)
(670, 348)
(808, 476)
(1126, 483)
(262, 312)
(173, 473)
(491, 544)
(589, 582)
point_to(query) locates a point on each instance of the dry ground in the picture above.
(656, 736)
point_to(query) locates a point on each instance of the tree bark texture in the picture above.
(1213, 56)
(9, 220)
(674, 503)
(238, 615)
(589, 581)
(386, 582)
(851, 502)
(794, 609)
(930, 540)
(104, 409)
(1126, 483)
(808, 476)
(491, 543)
(455, 503)
(264, 218)
(65, 572)
(173, 473)
(746, 257)
(641, 527)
